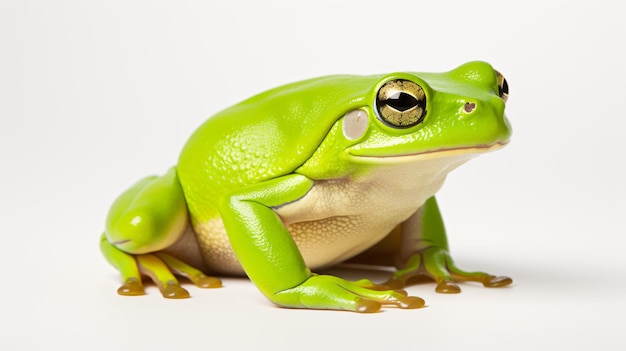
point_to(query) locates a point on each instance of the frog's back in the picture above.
(263, 137)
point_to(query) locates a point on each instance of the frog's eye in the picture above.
(503, 87)
(401, 103)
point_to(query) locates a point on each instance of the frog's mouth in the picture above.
(469, 152)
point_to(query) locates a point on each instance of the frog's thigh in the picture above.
(150, 216)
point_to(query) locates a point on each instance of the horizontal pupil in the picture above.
(402, 101)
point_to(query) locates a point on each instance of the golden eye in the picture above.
(401, 103)
(503, 87)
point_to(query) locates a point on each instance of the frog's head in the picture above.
(408, 117)
(419, 114)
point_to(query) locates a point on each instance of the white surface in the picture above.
(94, 95)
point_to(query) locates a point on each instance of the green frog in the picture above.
(311, 174)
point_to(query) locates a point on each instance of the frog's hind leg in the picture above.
(149, 217)
(159, 267)
(126, 264)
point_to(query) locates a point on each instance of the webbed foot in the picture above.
(159, 267)
(330, 292)
(437, 264)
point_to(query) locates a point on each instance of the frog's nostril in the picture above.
(469, 107)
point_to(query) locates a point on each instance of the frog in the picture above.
(313, 174)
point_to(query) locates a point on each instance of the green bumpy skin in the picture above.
(310, 175)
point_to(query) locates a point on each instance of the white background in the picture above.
(96, 94)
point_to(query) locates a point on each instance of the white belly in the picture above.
(341, 218)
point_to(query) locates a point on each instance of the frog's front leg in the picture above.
(145, 219)
(270, 257)
(424, 248)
